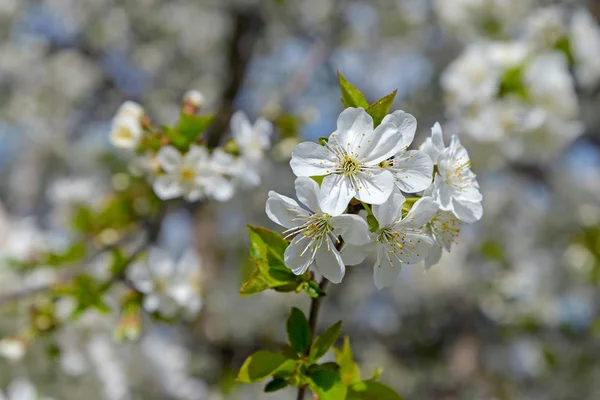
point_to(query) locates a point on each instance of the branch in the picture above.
(248, 27)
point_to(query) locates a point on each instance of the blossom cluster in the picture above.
(370, 168)
(518, 96)
(179, 164)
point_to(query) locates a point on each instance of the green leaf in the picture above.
(351, 96)
(191, 126)
(349, 370)
(373, 223)
(324, 341)
(381, 108)
(372, 391)
(313, 290)
(298, 331)
(275, 385)
(266, 252)
(259, 366)
(327, 384)
(512, 83)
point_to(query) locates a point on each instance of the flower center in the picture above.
(458, 175)
(316, 231)
(349, 166)
(124, 133)
(187, 174)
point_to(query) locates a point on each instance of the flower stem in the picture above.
(315, 306)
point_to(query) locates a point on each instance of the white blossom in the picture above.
(443, 228)
(12, 348)
(398, 241)
(195, 98)
(127, 129)
(351, 158)
(253, 140)
(168, 286)
(313, 231)
(585, 46)
(455, 187)
(194, 176)
(21, 389)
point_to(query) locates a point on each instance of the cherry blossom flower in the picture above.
(314, 233)
(351, 158)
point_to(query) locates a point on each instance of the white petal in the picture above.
(390, 211)
(416, 246)
(467, 211)
(126, 133)
(197, 157)
(413, 171)
(352, 228)
(22, 389)
(311, 159)
(292, 257)
(434, 145)
(434, 256)
(353, 255)
(442, 193)
(221, 189)
(284, 211)
(381, 144)
(469, 194)
(336, 193)
(421, 213)
(406, 124)
(386, 270)
(307, 191)
(330, 264)
(167, 187)
(151, 302)
(458, 152)
(263, 129)
(169, 158)
(376, 187)
(160, 263)
(241, 130)
(351, 124)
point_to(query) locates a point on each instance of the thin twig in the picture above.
(315, 306)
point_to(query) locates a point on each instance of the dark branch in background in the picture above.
(247, 29)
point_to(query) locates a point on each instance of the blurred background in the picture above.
(513, 312)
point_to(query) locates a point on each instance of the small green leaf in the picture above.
(373, 223)
(511, 82)
(327, 384)
(275, 385)
(298, 331)
(372, 391)
(274, 244)
(351, 96)
(381, 108)
(313, 290)
(324, 341)
(259, 366)
(192, 126)
(349, 370)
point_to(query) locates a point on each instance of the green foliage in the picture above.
(349, 371)
(512, 83)
(266, 253)
(87, 292)
(373, 223)
(188, 130)
(381, 108)
(298, 331)
(324, 341)
(275, 385)
(287, 125)
(351, 96)
(564, 45)
(372, 391)
(73, 254)
(327, 384)
(260, 365)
